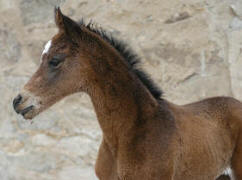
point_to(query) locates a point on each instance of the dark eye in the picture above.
(54, 62)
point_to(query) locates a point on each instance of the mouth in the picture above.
(27, 113)
(26, 104)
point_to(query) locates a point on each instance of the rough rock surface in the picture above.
(192, 49)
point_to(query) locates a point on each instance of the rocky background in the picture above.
(192, 49)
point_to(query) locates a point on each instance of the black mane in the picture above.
(131, 58)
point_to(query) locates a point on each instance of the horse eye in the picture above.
(54, 63)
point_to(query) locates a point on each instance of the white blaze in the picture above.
(47, 47)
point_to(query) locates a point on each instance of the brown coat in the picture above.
(145, 137)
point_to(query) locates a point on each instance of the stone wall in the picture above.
(191, 48)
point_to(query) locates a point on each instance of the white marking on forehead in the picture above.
(47, 47)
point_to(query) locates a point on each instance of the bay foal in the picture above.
(145, 137)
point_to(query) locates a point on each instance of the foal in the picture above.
(145, 137)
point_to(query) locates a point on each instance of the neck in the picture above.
(121, 101)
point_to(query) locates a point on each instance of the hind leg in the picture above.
(237, 160)
(223, 177)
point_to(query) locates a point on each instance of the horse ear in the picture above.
(67, 25)
(59, 19)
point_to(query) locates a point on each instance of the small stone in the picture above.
(177, 17)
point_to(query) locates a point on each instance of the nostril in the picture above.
(16, 101)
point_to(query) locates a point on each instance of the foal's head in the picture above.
(76, 59)
(64, 69)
